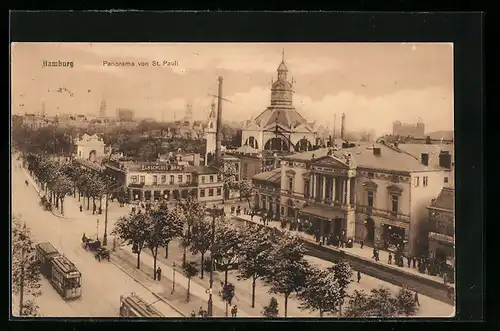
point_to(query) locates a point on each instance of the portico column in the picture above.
(333, 188)
(313, 186)
(323, 197)
(348, 195)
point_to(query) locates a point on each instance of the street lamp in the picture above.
(97, 229)
(214, 212)
(173, 277)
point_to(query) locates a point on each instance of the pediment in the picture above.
(252, 126)
(394, 189)
(330, 161)
(370, 185)
(290, 172)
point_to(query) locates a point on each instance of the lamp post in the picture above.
(214, 212)
(105, 239)
(97, 229)
(173, 277)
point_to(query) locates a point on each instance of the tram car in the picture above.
(134, 306)
(60, 271)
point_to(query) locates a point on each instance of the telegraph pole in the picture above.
(105, 238)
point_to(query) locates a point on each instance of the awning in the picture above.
(323, 212)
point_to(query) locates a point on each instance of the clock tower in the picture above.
(281, 90)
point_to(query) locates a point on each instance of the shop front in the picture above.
(156, 193)
(391, 235)
(323, 221)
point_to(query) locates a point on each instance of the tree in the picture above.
(133, 229)
(162, 228)
(405, 301)
(192, 210)
(96, 188)
(227, 243)
(201, 239)
(229, 175)
(83, 185)
(254, 252)
(246, 191)
(25, 269)
(289, 271)
(63, 187)
(271, 310)
(321, 292)
(190, 270)
(342, 272)
(228, 295)
(380, 303)
(357, 305)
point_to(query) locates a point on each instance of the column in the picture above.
(334, 179)
(323, 196)
(313, 186)
(348, 195)
(354, 193)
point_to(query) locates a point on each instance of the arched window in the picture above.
(277, 144)
(304, 145)
(252, 142)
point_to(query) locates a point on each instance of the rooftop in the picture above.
(287, 117)
(269, 176)
(445, 200)
(432, 150)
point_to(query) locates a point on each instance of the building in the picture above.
(377, 193)
(125, 115)
(35, 122)
(154, 181)
(102, 110)
(210, 133)
(280, 127)
(89, 147)
(441, 228)
(188, 128)
(406, 129)
(268, 192)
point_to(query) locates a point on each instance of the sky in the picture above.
(374, 84)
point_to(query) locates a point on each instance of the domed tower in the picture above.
(211, 132)
(281, 90)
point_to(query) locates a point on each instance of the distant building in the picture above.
(35, 122)
(90, 148)
(404, 129)
(125, 115)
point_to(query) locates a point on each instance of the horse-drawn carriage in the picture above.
(94, 245)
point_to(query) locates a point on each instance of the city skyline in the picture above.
(373, 83)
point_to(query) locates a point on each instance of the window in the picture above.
(370, 198)
(211, 179)
(163, 179)
(245, 168)
(237, 167)
(219, 192)
(155, 179)
(202, 193)
(179, 179)
(282, 210)
(290, 183)
(203, 179)
(425, 180)
(188, 178)
(133, 179)
(306, 188)
(446, 179)
(395, 203)
(416, 181)
(210, 192)
(143, 179)
(171, 179)
(370, 175)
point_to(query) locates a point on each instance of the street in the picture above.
(102, 282)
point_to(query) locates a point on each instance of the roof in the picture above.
(445, 200)
(65, 265)
(362, 156)
(322, 211)
(269, 176)
(282, 66)
(202, 169)
(140, 306)
(432, 150)
(47, 248)
(246, 149)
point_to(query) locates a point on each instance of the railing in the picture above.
(383, 213)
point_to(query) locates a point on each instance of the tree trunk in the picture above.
(202, 266)
(139, 259)
(321, 313)
(189, 287)
(62, 206)
(154, 251)
(225, 275)
(227, 309)
(57, 200)
(79, 195)
(166, 250)
(74, 192)
(185, 248)
(286, 304)
(88, 202)
(253, 291)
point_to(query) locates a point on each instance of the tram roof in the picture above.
(65, 265)
(47, 248)
(141, 306)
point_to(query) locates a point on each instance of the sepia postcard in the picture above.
(229, 180)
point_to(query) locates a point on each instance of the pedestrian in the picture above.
(81, 208)
(414, 262)
(193, 314)
(377, 256)
(94, 208)
(234, 311)
(359, 276)
(100, 210)
(416, 299)
(361, 242)
(324, 240)
(200, 311)
(374, 252)
(390, 258)
(158, 272)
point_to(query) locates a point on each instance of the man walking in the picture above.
(234, 311)
(361, 242)
(416, 299)
(359, 276)
(158, 272)
(390, 258)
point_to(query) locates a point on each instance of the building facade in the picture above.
(155, 181)
(89, 147)
(35, 122)
(407, 129)
(377, 193)
(295, 131)
(267, 186)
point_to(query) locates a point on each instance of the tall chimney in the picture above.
(342, 126)
(218, 134)
(334, 124)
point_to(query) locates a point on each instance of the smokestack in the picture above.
(218, 142)
(342, 127)
(334, 124)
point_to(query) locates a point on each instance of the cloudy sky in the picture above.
(374, 84)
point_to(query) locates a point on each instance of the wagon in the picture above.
(102, 253)
(91, 244)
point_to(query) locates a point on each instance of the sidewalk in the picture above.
(356, 250)
(126, 260)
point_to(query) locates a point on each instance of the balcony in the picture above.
(136, 185)
(388, 214)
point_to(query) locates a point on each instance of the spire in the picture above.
(283, 55)
(282, 67)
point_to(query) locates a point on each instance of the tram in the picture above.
(60, 271)
(134, 306)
